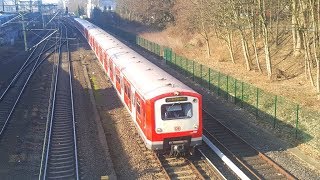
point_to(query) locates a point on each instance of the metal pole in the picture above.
(30, 5)
(16, 4)
(241, 94)
(24, 34)
(209, 79)
(193, 70)
(275, 111)
(219, 83)
(227, 87)
(257, 105)
(235, 91)
(297, 120)
(200, 74)
(187, 65)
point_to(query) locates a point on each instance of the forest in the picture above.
(259, 34)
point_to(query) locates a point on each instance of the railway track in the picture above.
(253, 163)
(11, 95)
(197, 166)
(179, 168)
(59, 159)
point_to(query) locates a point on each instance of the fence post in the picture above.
(165, 55)
(297, 120)
(257, 105)
(209, 79)
(235, 91)
(193, 70)
(227, 94)
(159, 50)
(275, 111)
(257, 102)
(219, 83)
(175, 60)
(187, 64)
(200, 74)
(241, 94)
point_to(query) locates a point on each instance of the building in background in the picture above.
(13, 6)
(108, 5)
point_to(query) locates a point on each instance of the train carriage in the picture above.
(166, 112)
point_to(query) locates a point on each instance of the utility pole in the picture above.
(30, 5)
(16, 2)
(24, 33)
(2, 5)
(40, 9)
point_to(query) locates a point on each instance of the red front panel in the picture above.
(151, 114)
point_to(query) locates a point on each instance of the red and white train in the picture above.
(166, 112)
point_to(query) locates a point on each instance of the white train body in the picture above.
(166, 112)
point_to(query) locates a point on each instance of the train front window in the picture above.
(176, 111)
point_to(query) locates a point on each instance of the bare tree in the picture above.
(263, 20)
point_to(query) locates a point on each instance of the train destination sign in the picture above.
(175, 99)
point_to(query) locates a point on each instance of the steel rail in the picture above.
(23, 67)
(61, 152)
(218, 173)
(52, 114)
(49, 110)
(249, 150)
(72, 105)
(21, 92)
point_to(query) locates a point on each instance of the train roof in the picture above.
(147, 78)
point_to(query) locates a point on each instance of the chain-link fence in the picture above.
(295, 123)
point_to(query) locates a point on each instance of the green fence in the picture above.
(295, 123)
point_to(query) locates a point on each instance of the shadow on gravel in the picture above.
(107, 102)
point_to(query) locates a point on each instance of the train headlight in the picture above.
(159, 130)
(195, 100)
(195, 126)
(176, 93)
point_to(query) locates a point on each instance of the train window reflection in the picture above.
(176, 111)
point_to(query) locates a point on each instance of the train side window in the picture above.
(176, 111)
(127, 91)
(118, 78)
(138, 106)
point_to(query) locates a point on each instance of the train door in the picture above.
(118, 80)
(99, 53)
(111, 69)
(105, 62)
(127, 93)
(140, 118)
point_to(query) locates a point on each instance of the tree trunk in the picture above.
(208, 45)
(254, 41)
(317, 38)
(296, 29)
(245, 50)
(277, 23)
(266, 37)
(308, 62)
(230, 47)
(267, 53)
(315, 26)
